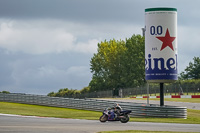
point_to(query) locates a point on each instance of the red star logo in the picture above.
(167, 41)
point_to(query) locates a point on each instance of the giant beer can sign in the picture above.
(161, 45)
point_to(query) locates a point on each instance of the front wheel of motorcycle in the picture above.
(103, 118)
(125, 119)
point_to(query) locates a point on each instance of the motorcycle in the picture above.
(110, 115)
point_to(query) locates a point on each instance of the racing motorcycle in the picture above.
(110, 115)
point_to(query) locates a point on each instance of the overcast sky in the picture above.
(46, 45)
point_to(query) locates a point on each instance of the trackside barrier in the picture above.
(138, 110)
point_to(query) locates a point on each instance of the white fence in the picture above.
(138, 110)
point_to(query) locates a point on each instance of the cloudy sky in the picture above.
(46, 45)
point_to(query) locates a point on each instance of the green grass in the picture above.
(44, 111)
(137, 131)
(190, 100)
(193, 117)
(167, 94)
(36, 110)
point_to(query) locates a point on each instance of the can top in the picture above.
(160, 9)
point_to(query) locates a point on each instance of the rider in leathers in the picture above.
(117, 109)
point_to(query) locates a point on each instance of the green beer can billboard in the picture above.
(161, 45)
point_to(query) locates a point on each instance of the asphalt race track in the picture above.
(31, 124)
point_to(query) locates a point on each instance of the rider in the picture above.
(117, 109)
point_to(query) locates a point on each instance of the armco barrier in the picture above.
(138, 110)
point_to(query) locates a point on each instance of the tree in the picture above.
(118, 64)
(5, 92)
(51, 94)
(192, 71)
(85, 90)
(64, 93)
(106, 65)
(133, 62)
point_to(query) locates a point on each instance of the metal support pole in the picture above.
(147, 93)
(161, 94)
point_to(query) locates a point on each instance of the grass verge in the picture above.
(193, 117)
(137, 131)
(167, 94)
(189, 100)
(44, 111)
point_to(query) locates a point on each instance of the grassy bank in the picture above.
(190, 100)
(193, 117)
(136, 131)
(44, 111)
(167, 94)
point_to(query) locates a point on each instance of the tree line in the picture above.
(5, 92)
(68, 92)
(192, 71)
(120, 64)
(117, 64)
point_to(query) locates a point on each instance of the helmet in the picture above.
(116, 105)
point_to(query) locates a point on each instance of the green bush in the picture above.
(5, 92)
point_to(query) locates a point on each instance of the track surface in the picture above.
(31, 124)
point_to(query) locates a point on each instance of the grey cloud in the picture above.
(6, 74)
(41, 37)
(86, 21)
(43, 74)
(77, 10)
(90, 11)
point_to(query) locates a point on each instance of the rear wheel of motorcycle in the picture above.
(103, 118)
(125, 119)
